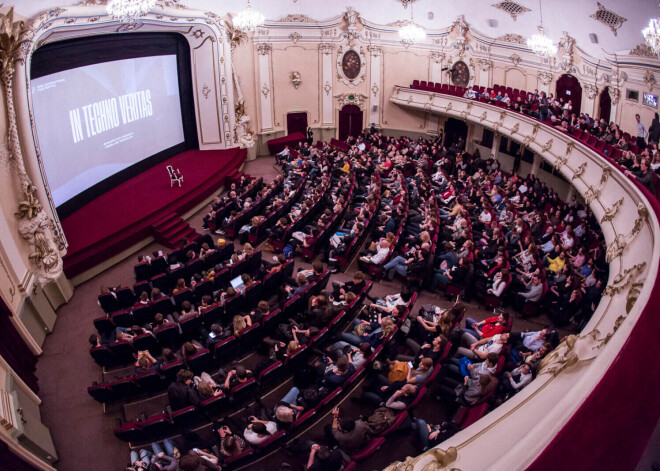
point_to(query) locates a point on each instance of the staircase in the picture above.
(171, 230)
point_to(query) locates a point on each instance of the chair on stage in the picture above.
(175, 176)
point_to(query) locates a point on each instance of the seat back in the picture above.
(108, 302)
(142, 271)
(150, 381)
(146, 341)
(243, 391)
(142, 314)
(190, 325)
(181, 296)
(226, 349)
(167, 334)
(125, 297)
(122, 351)
(203, 288)
(140, 287)
(270, 375)
(163, 305)
(101, 392)
(102, 355)
(250, 336)
(200, 361)
(103, 325)
(170, 370)
(253, 294)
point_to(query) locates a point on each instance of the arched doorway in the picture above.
(605, 104)
(350, 122)
(455, 129)
(569, 88)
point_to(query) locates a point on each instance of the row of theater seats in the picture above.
(158, 426)
(168, 422)
(171, 334)
(279, 244)
(222, 352)
(375, 271)
(308, 253)
(249, 192)
(158, 274)
(344, 259)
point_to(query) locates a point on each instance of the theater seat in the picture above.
(398, 421)
(247, 390)
(369, 450)
(101, 392)
(226, 349)
(157, 426)
(130, 432)
(270, 374)
(215, 405)
(200, 361)
(303, 418)
(186, 417)
(102, 355)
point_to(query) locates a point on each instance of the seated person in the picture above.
(145, 363)
(181, 393)
(479, 350)
(356, 285)
(259, 431)
(229, 444)
(350, 435)
(236, 377)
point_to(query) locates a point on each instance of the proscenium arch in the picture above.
(573, 372)
(206, 36)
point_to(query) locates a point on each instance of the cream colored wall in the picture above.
(401, 67)
(288, 99)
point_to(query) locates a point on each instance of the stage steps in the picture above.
(171, 230)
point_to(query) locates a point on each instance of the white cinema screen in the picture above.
(95, 121)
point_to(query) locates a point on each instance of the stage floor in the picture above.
(122, 217)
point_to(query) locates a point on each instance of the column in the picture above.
(496, 144)
(469, 146)
(435, 75)
(327, 114)
(536, 165)
(265, 86)
(485, 66)
(375, 55)
(570, 193)
(615, 94)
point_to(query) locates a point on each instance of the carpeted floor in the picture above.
(82, 428)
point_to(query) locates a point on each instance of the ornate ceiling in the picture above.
(616, 24)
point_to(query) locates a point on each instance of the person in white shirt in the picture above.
(380, 255)
(258, 431)
(479, 351)
(524, 375)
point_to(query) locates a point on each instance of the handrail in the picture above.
(538, 424)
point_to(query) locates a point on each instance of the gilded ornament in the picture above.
(547, 146)
(611, 212)
(577, 173)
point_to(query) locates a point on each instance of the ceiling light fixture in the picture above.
(129, 11)
(410, 33)
(248, 20)
(540, 44)
(652, 34)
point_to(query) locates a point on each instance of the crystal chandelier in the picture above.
(652, 34)
(248, 20)
(540, 44)
(129, 11)
(410, 33)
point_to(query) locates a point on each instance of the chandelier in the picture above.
(652, 34)
(129, 11)
(542, 45)
(410, 33)
(248, 20)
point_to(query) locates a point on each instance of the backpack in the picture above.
(287, 251)
(380, 420)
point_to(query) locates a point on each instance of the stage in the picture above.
(145, 206)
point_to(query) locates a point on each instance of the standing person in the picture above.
(543, 107)
(642, 133)
(310, 136)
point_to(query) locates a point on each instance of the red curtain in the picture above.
(568, 88)
(350, 122)
(296, 122)
(605, 104)
(15, 351)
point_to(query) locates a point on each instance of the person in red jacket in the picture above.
(488, 327)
